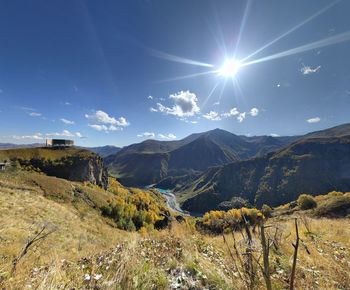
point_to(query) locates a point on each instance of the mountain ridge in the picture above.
(310, 165)
(190, 155)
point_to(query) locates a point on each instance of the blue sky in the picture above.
(114, 72)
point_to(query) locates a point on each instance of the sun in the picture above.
(230, 68)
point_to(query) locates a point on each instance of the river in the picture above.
(171, 201)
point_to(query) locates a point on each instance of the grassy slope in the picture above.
(48, 153)
(151, 260)
(28, 200)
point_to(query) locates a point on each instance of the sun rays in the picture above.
(288, 32)
(231, 65)
(342, 37)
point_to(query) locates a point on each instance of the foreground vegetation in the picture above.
(83, 246)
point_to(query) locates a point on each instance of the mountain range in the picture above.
(219, 170)
(151, 161)
(311, 165)
(214, 169)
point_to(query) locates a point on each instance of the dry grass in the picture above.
(23, 208)
(48, 153)
(88, 252)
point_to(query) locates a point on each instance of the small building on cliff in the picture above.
(59, 143)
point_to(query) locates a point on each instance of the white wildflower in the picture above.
(97, 277)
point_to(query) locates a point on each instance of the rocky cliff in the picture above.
(70, 163)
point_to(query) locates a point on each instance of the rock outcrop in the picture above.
(69, 163)
(89, 169)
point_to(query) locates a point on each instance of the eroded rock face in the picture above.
(75, 165)
(91, 170)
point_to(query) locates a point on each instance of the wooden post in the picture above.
(265, 249)
(295, 256)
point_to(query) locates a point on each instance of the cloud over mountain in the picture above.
(105, 122)
(314, 120)
(213, 116)
(240, 116)
(184, 105)
(146, 135)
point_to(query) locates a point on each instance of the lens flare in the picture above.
(230, 68)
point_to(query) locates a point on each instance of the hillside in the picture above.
(150, 161)
(306, 166)
(74, 163)
(86, 250)
(337, 131)
(104, 151)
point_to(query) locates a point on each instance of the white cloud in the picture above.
(185, 105)
(102, 127)
(254, 112)
(37, 136)
(105, 122)
(306, 70)
(122, 122)
(274, 135)
(98, 127)
(189, 121)
(169, 136)
(150, 135)
(241, 117)
(314, 120)
(213, 116)
(216, 103)
(67, 103)
(65, 133)
(150, 97)
(232, 112)
(102, 117)
(67, 122)
(40, 136)
(153, 109)
(35, 114)
(146, 135)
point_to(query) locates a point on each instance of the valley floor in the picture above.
(87, 251)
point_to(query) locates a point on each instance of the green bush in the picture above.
(266, 210)
(306, 201)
